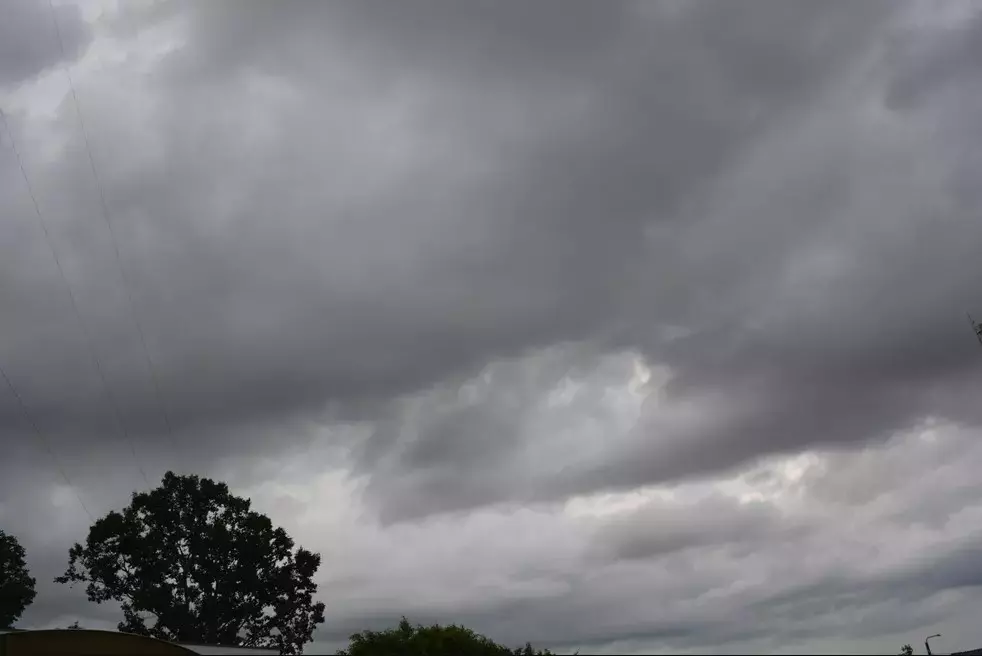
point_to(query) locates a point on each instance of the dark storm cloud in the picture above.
(29, 43)
(330, 205)
(561, 215)
(459, 225)
(874, 343)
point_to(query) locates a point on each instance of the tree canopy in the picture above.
(16, 584)
(205, 566)
(436, 640)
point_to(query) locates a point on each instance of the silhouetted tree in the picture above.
(436, 640)
(16, 584)
(205, 566)
(906, 650)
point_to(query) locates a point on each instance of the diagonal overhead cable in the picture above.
(107, 392)
(42, 440)
(134, 315)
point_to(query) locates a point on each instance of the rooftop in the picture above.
(210, 650)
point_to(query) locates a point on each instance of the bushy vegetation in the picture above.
(435, 640)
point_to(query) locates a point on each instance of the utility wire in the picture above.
(71, 295)
(134, 315)
(44, 442)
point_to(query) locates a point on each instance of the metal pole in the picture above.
(928, 646)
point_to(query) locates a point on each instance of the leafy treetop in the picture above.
(204, 565)
(16, 584)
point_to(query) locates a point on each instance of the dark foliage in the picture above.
(203, 565)
(16, 585)
(436, 640)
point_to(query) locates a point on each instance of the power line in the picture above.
(44, 442)
(134, 315)
(107, 392)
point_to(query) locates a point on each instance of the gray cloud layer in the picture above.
(28, 41)
(422, 220)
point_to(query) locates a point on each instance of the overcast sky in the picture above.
(619, 326)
